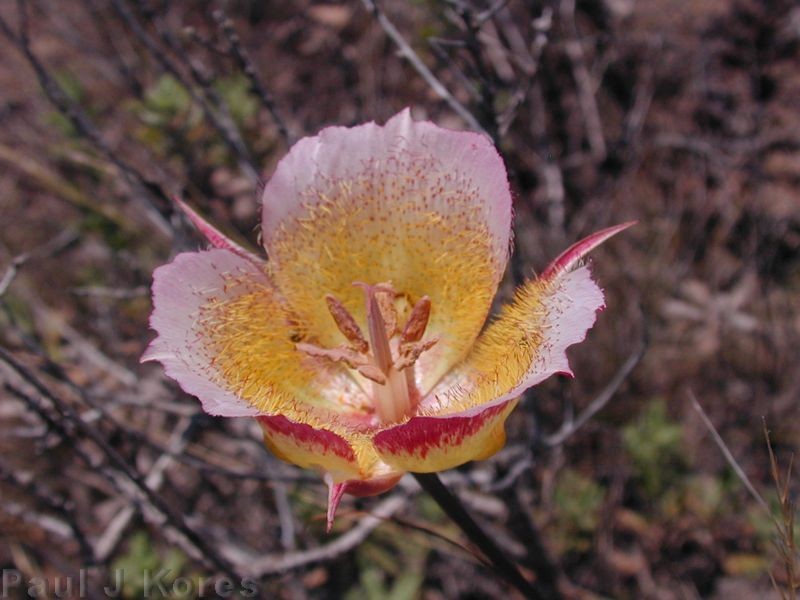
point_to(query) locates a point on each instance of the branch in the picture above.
(727, 453)
(86, 128)
(11, 272)
(69, 415)
(246, 65)
(599, 402)
(407, 52)
(583, 83)
(55, 503)
(453, 508)
(108, 541)
(226, 129)
(257, 566)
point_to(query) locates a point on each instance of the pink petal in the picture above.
(568, 259)
(338, 154)
(331, 454)
(425, 208)
(226, 337)
(527, 342)
(180, 289)
(335, 494)
(358, 488)
(310, 447)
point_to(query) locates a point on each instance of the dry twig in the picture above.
(152, 198)
(68, 414)
(248, 68)
(570, 425)
(727, 453)
(258, 566)
(583, 83)
(108, 541)
(407, 52)
(11, 272)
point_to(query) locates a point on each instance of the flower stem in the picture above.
(454, 509)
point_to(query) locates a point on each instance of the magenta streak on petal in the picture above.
(307, 436)
(214, 236)
(570, 257)
(422, 434)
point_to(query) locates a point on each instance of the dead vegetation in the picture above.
(682, 115)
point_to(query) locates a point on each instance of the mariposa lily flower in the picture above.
(359, 345)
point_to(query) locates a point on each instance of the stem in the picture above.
(454, 509)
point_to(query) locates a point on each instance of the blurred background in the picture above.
(683, 115)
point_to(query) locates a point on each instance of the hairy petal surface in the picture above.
(528, 340)
(430, 444)
(226, 337)
(309, 447)
(181, 290)
(424, 208)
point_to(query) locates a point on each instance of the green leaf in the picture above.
(235, 91)
(654, 443)
(577, 502)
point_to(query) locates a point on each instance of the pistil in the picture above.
(394, 391)
(378, 336)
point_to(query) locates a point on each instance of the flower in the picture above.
(359, 345)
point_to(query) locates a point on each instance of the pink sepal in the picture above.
(214, 236)
(335, 493)
(568, 259)
(358, 488)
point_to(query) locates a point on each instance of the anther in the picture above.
(385, 296)
(348, 356)
(409, 352)
(347, 324)
(372, 373)
(417, 321)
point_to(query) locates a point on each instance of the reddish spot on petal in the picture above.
(422, 434)
(307, 436)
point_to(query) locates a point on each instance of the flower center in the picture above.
(387, 358)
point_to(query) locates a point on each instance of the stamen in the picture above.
(394, 391)
(409, 352)
(347, 324)
(352, 359)
(394, 401)
(373, 373)
(385, 295)
(417, 321)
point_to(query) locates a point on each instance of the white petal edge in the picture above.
(179, 289)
